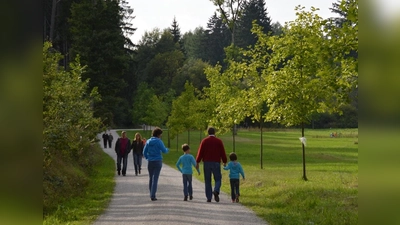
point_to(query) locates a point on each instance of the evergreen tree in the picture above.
(217, 38)
(254, 10)
(175, 31)
(194, 44)
(98, 38)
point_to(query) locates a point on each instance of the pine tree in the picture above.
(254, 10)
(175, 31)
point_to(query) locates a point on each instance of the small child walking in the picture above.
(187, 161)
(235, 170)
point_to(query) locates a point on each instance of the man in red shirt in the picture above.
(211, 151)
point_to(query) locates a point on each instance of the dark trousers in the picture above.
(212, 169)
(105, 143)
(109, 143)
(124, 160)
(187, 184)
(234, 188)
(154, 168)
(137, 162)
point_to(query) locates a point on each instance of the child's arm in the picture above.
(178, 165)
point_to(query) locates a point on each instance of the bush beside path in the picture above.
(131, 202)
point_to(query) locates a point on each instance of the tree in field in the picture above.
(183, 112)
(141, 103)
(304, 77)
(156, 112)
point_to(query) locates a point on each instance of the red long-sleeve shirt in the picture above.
(211, 149)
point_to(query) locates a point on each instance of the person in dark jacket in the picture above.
(105, 139)
(137, 152)
(122, 148)
(110, 139)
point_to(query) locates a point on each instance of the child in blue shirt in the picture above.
(187, 162)
(235, 170)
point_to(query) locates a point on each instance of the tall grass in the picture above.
(85, 206)
(276, 192)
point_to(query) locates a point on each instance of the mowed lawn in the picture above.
(276, 192)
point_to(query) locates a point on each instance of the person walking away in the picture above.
(152, 152)
(110, 139)
(235, 170)
(211, 151)
(187, 161)
(122, 148)
(137, 152)
(105, 139)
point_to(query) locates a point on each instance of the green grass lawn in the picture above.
(276, 192)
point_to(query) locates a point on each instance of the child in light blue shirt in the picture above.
(235, 170)
(187, 161)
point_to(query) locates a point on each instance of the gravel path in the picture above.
(131, 202)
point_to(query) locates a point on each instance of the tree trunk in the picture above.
(304, 154)
(233, 137)
(261, 139)
(53, 19)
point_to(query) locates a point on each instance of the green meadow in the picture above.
(275, 190)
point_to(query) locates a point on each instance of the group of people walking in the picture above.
(107, 139)
(211, 152)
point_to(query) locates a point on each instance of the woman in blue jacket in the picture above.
(152, 153)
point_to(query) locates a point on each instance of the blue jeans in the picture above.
(137, 161)
(154, 168)
(187, 184)
(124, 160)
(213, 168)
(234, 188)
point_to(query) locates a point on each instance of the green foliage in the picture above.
(303, 78)
(192, 71)
(141, 103)
(69, 128)
(185, 113)
(162, 69)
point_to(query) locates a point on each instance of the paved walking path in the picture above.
(131, 202)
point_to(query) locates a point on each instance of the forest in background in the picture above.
(131, 78)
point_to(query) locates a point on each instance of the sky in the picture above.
(190, 14)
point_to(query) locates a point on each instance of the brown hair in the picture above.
(156, 132)
(233, 156)
(185, 147)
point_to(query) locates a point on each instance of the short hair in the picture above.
(233, 156)
(156, 132)
(185, 147)
(211, 130)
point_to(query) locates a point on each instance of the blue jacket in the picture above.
(234, 170)
(153, 149)
(187, 162)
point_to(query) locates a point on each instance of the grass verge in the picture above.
(86, 206)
